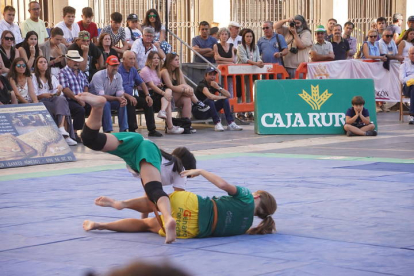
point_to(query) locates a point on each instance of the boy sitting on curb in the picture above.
(357, 119)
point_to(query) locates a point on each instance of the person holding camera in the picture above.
(299, 40)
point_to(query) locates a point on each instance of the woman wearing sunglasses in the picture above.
(153, 19)
(370, 48)
(30, 49)
(7, 51)
(21, 81)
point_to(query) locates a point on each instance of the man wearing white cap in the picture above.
(322, 50)
(234, 38)
(74, 82)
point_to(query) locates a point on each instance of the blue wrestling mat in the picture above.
(334, 218)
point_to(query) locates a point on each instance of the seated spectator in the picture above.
(117, 32)
(161, 97)
(132, 79)
(133, 29)
(92, 56)
(407, 80)
(7, 51)
(299, 40)
(272, 46)
(153, 19)
(348, 29)
(183, 94)
(370, 48)
(339, 45)
(69, 27)
(381, 26)
(108, 83)
(34, 23)
(7, 23)
(74, 82)
(105, 46)
(322, 50)
(86, 24)
(142, 47)
(213, 32)
(54, 51)
(206, 91)
(7, 95)
(388, 47)
(410, 25)
(406, 43)
(373, 25)
(21, 81)
(357, 122)
(48, 90)
(30, 49)
(203, 44)
(329, 32)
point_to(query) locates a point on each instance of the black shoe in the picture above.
(77, 138)
(350, 133)
(371, 133)
(202, 107)
(192, 130)
(154, 133)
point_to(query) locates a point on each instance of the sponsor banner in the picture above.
(29, 136)
(308, 106)
(243, 69)
(387, 84)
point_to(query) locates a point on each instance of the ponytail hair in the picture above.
(181, 158)
(264, 210)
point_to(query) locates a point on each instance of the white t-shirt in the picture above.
(236, 42)
(69, 35)
(168, 177)
(139, 49)
(45, 89)
(137, 34)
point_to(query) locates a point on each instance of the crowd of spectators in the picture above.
(134, 67)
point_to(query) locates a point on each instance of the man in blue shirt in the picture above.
(272, 46)
(131, 79)
(203, 44)
(108, 83)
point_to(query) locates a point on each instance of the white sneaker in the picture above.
(70, 141)
(219, 127)
(63, 131)
(175, 130)
(411, 122)
(162, 114)
(234, 126)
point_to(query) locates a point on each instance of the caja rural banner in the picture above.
(29, 136)
(386, 82)
(308, 106)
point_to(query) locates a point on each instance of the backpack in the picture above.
(183, 122)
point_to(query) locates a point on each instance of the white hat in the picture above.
(74, 55)
(234, 24)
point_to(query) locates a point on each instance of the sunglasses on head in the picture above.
(10, 38)
(21, 65)
(265, 28)
(388, 36)
(152, 16)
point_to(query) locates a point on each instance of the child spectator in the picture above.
(70, 30)
(117, 32)
(133, 30)
(86, 24)
(357, 121)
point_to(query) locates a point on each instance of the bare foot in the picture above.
(170, 231)
(90, 225)
(91, 99)
(104, 201)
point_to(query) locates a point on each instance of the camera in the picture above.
(292, 24)
(293, 50)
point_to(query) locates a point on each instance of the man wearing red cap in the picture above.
(108, 83)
